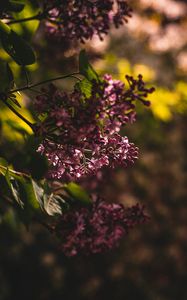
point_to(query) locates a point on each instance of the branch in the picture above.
(39, 16)
(73, 75)
(14, 172)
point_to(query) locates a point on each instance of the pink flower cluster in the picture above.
(81, 19)
(98, 228)
(81, 133)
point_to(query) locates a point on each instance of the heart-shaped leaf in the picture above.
(16, 46)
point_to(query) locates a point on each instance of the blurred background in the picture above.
(151, 263)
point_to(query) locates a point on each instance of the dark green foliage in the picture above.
(77, 193)
(85, 67)
(16, 46)
(6, 77)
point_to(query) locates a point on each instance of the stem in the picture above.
(39, 16)
(19, 115)
(14, 172)
(73, 75)
(26, 75)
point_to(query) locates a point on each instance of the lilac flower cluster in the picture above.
(81, 133)
(81, 19)
(98, 228)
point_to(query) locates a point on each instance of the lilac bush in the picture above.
(98, 228)
(79, 131)
(81, 19)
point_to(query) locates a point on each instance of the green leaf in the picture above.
(29, 193)
(14, 101)
(3, 162)
(85, 87)
(4, 28)
(85, 68)
(32, 199)
(78, 193)
(54, 204)
(13, 188)
(6, 77)
(16, 46)
(27, 29)
(9, 187)
(17, 127)
(18, 49)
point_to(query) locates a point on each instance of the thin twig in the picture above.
(39, 16)
(14, 172)
(26, 75)
(73, 75)
(31, 125)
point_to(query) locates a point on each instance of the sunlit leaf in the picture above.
(28, 193)
(4, 29)
(85, 67)
(54, 204)
(78, 193)
(14, 129)
(26, 29)
(85, 87)
(17, 127)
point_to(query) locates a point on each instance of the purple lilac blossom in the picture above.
(81, 19)
(81, 134)
(98, 228)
